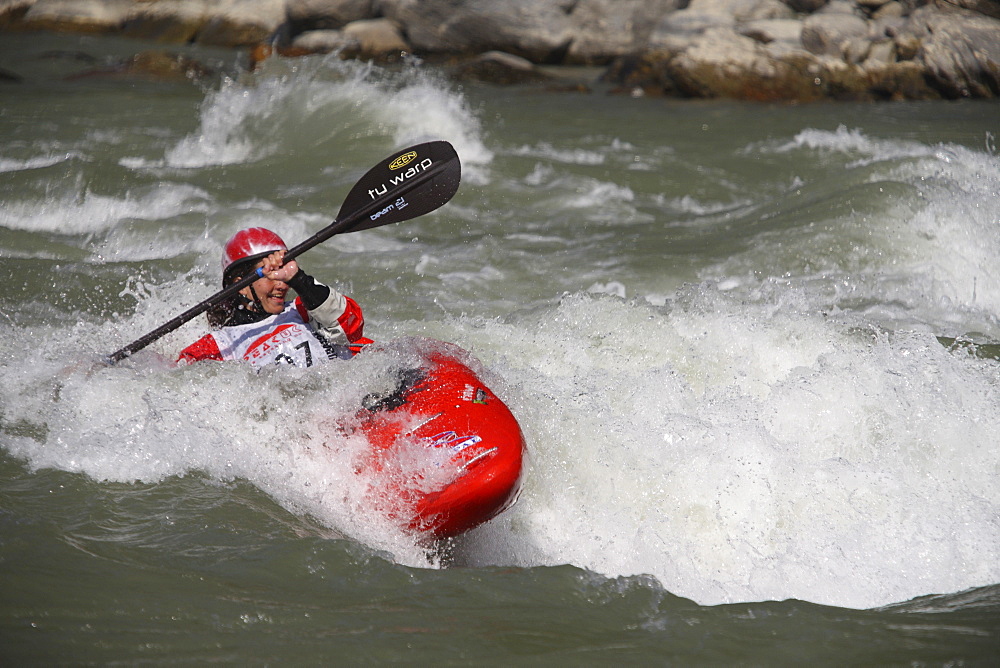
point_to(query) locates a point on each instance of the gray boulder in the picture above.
(75, 15)
(306, 15)
(749, 49)
(960, 51)
(377, 38)
(12, 13)
(605, 29)
(324, 41)
(722, 63)
(986, 7)
(679, 30)
(780, 37)
(230, 23)
(831, 34)
(806, 6)
(242, 22)
(177, 21)
(536, 30)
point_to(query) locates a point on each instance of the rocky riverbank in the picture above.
(769, 50)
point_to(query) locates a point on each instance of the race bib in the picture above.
(287, 344)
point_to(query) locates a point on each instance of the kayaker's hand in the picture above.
(274, 268)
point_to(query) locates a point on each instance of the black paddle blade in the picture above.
(410, 183)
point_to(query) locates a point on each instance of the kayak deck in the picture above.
(445, 448)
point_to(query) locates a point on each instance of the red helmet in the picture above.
(249, 245)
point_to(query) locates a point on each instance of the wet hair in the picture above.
(234, 310)
(220, 314)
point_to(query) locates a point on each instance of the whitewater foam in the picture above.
(752, 451)
(911, 229)
(75, 209)
(309, 105)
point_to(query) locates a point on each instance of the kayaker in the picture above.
(260, 327)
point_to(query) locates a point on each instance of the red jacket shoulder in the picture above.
(204, 348)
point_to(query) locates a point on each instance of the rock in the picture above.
(537, 30)
(888, 11)
(769, 31)
(856, 50)
(86, 16)
(242, 22)
(311, 15)
(677, 31)
(12, 12)
(325, 41)
(722, 63)
(898, 81)
(907, 46)
(871, 5)
(989, 8)
(641, 75)
(747, 49)
(606, 29)
(261, 52)
(830, 34)
(377, 38)
(848, 7)
(718, 63)
(231, 23)
(177, 21)
(743, 10)
(496, 67)
(886, 25)
(881, 53)
(805, 6)
(960, 50)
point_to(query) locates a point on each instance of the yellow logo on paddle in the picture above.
(403, 160)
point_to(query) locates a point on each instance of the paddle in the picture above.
(408, 184)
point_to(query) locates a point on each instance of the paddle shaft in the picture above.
(339, 226)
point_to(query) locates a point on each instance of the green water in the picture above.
(720, 326)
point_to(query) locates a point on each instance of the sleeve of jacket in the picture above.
(338, 316)
(204, 348)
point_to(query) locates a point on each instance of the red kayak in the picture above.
(447, 452)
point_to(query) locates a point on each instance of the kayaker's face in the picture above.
(271, 293)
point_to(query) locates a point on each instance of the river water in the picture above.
(754, 351)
